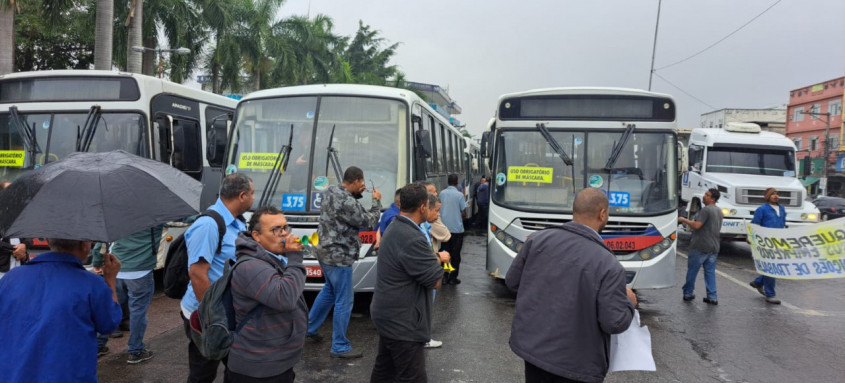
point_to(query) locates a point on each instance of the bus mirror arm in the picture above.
(279, 167)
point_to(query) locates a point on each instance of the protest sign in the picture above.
(801, 252)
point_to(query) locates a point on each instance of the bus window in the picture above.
(430, 162)
(216, 126)
(179, 144)
(443, 151)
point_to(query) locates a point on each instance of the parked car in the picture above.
(830, 207)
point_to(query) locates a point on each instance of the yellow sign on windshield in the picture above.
(12, 158)
(257, 161)
(530, 174)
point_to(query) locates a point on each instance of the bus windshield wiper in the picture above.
(84, 139)
(554, 144)
(27, 134)
(617, 149)
(279, 167)
(332, 156)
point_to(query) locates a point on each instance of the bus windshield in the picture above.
(58, 132)
(366, 135)
(766, 162)
(530, 175)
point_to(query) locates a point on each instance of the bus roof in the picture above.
(714, 136)
(583, 90)
(336, 89)
(147, 84)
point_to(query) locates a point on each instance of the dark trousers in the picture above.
(534, 374)
(201, 369)
(454, 246)
(481, 218)
(399, 361)
(285, 377)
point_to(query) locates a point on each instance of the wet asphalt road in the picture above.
(743, 339)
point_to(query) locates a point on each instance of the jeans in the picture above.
(534, 374)
(139, 293)
(454, 246)
(399, 361)
(336, 291)
(768, 284)
(695, 260)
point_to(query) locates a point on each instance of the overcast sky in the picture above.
(482, 49)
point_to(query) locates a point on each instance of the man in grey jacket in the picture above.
(270, 344)
(401, 307)
(572, 298)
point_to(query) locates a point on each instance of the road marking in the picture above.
(782, 302)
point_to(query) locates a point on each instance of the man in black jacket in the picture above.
(401, 307)
(580, 286)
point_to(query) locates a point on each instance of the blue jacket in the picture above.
(387, 217)
(52, 309)
(765, 216)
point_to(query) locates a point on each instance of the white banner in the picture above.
(802, 252)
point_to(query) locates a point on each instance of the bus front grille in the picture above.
(612, 228)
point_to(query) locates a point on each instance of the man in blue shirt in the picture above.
(52, 310)
(387, 217)
(482, 199)
(453, 211)
(205, 267)
(771, 214)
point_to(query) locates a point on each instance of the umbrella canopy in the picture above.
(97, 197)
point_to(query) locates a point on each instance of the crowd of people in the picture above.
(420, 233)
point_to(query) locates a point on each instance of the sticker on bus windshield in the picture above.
(500, 179)
(231, 169)
(12, 158)
(790, 173)
(530, 174)
(619, 199)
(309, 115)
(257, 161)
(316, 200)
(321, 183)
(596, 181)
(293, 202)
(578, 140)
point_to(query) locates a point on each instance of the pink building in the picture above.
(808, 112)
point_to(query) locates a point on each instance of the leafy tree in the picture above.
(303, 50)
(41, 44)
(368, 61)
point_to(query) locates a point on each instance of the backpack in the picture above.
(213, 326)
(176, 263)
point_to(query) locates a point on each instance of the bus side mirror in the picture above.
(485, 144)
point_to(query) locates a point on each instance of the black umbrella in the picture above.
(96, 196)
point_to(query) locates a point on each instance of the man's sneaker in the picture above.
(139, 357)
(433, 344)
(314, 338)
(711, 301)
(758, 287)
(688, 298)
(102, 351)
(773, 300)
(353, 353)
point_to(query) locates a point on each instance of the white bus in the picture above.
(46, 115)
(391, 134)
(545, 145)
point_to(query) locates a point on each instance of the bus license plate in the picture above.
(313, 272)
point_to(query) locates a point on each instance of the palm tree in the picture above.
(253, 36)
(304, 50)
(218, 16)
(7, 36)
(367, 60)
(103, 35)
(135, 33)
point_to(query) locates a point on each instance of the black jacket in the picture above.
(571, 297)
(401, 307)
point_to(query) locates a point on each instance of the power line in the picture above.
(685, 92)
(723, 38)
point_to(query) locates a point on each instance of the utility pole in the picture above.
(826, 148)
(654, 48)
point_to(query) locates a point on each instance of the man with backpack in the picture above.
(206, 263)
(267, 297)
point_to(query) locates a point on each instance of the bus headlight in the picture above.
(726, 212)
(809, 217)
(658, 248)
(506, 239)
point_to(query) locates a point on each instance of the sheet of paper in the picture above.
(631, 350)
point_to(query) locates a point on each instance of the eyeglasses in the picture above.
(280, 230)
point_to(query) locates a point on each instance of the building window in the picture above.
(814, 143)
(834, 142)
(815, 109)
(797, 141)
(798, 114)
(834, 107)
